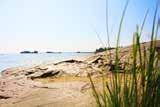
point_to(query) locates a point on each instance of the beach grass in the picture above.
(139, 85)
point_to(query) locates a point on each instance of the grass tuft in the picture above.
(139, 85)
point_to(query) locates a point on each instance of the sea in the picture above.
(17, 60)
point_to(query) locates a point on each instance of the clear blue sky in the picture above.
(67, 25)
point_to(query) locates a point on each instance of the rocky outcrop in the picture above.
(68, 67)
(94, 64)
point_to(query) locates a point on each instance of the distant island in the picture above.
(83, 52)
(103, 49)
(50, 52)
(29, 52)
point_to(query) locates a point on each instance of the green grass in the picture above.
(140, 87)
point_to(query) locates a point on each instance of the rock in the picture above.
(94, 59)
(29, 73)
(41, 67)
(4, 97)
(46, 74)
(69, 61)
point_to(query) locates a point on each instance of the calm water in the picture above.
(14, 60)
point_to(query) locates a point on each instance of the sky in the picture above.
(68, 25)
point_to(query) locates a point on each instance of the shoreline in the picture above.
(30, 65)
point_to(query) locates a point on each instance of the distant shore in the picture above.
(50, 52)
